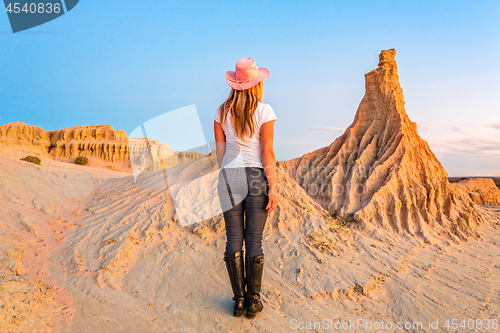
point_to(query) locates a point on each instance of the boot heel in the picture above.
(238, 313)
(238, 306)
(251, 315)
(254, 306)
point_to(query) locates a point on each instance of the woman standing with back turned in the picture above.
(244, 131)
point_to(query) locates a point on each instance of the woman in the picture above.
(244, 131)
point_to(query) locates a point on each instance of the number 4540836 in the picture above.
(34, 8)
(477, 324)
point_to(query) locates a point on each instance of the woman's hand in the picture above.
(273, 198)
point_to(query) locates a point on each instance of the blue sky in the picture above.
(125, 62)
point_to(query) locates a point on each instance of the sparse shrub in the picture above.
(81, 160)
(32, 159)
(110, 167)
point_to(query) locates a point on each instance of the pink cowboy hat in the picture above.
(246, 75)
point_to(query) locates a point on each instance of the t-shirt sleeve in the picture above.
(268, 114)
(217, 115)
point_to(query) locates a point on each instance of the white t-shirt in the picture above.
(244, 154)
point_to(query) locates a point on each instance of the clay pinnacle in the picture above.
(386, 58)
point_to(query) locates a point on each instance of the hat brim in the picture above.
(235, 84)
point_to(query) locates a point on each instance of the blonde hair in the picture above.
(242, 104)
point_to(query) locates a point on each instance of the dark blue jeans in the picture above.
(243, 195)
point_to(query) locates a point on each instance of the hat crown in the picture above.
(246, 75)
(246, 69)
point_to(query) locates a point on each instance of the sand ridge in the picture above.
(40, 207)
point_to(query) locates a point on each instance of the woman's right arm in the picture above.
(269, 162)
(220, 142)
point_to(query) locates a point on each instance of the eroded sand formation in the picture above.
(481, 190)
(95, 142)
(186, 156)
(381, 173)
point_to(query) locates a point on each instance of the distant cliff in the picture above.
(99, 141)
(186, 156)
(481, 190)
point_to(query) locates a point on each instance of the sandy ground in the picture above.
(90, 250)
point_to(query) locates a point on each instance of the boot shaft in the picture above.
(254, 268)
(236, 271)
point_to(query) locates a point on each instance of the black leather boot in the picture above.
(254, 268)
(236, 271)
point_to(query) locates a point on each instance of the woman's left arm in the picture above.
(220, 142)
